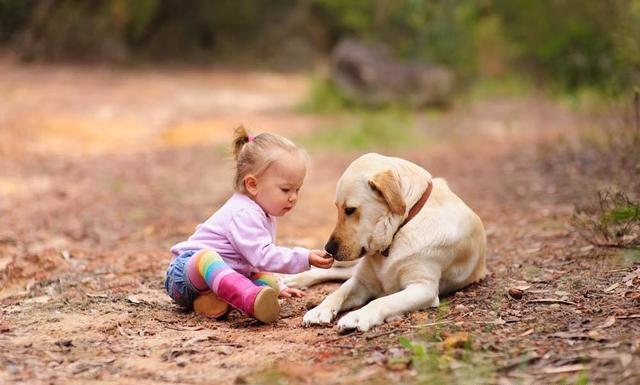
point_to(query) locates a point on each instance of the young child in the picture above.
(225, 262)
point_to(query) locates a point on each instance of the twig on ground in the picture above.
(628, 316)
(430, 324)
(344, 346)
(552, 300)
(519, 361)
(338, 338)
(564, 369)
(381, 334)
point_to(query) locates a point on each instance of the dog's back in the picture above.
(465, 235)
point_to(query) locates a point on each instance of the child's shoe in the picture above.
(266, 307)
(211, 305)
(260, 302)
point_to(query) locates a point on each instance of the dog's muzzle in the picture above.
(332, 246)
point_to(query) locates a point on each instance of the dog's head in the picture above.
(371, 198)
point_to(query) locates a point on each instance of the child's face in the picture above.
(276, 189)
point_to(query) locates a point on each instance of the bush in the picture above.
(570, 43)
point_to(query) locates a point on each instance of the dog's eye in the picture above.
(349, 210)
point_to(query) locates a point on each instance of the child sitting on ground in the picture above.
(227, 260)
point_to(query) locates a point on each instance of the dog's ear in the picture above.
(387, 185)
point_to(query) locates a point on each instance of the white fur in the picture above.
(440, 250)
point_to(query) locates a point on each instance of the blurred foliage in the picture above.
(615, 221)
(390, 128)
(324, 97)
(437, 363)
(569, 43)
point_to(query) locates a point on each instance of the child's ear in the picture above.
(251, 184)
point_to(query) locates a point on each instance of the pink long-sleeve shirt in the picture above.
(243, 234)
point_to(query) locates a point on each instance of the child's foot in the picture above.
(266, 307)
(211, 305)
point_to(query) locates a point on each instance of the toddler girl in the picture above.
(224, 262)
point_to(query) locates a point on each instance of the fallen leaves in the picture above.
(97, 295)
(632, 295)
(629, 278)
(133, 299)
(456, 340)
(607, 323)
(611, 288)
(88, 365)
(592, 335)
(526, 333)
(37, 300)
(4, 262)
(515, 293)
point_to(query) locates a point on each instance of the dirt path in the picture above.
(100, 174)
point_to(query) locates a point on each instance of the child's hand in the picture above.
(289, 292)
(320, 258)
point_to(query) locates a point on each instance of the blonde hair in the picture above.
(254, 154)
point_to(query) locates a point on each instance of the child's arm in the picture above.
(249, 236)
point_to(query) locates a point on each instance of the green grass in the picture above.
(433, 365)
(531, 272)
(629, 257)
(583, 378)
(388, 129)
(508, 86)
(324, 97)
(267, 377)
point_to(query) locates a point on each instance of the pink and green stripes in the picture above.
(265, 279)
(206, 269)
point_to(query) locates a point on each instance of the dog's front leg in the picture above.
(340, 271)
(351, 294)
(415, 296)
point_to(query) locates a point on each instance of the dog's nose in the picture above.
(332, 246)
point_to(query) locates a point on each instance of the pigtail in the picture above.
(262, 150)
(240, 138)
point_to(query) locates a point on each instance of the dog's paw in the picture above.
(300, 281)
(361, 320)
(318, 316)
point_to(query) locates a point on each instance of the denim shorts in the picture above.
(177, 284)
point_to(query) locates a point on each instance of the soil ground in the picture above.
(102, 170)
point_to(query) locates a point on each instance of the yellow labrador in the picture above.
(415, 237)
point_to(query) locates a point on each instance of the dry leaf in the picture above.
(41, 299)
(595, 335)
(608, 322)
(530, 331)
(456, 340)
(97, 295)
(634, 296)
(628, 279)
(515, 293)
(625, 359)
(134, 299)
(4, 262)
(224, 349)
(610, 288)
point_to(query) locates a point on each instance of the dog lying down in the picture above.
(402, 238)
